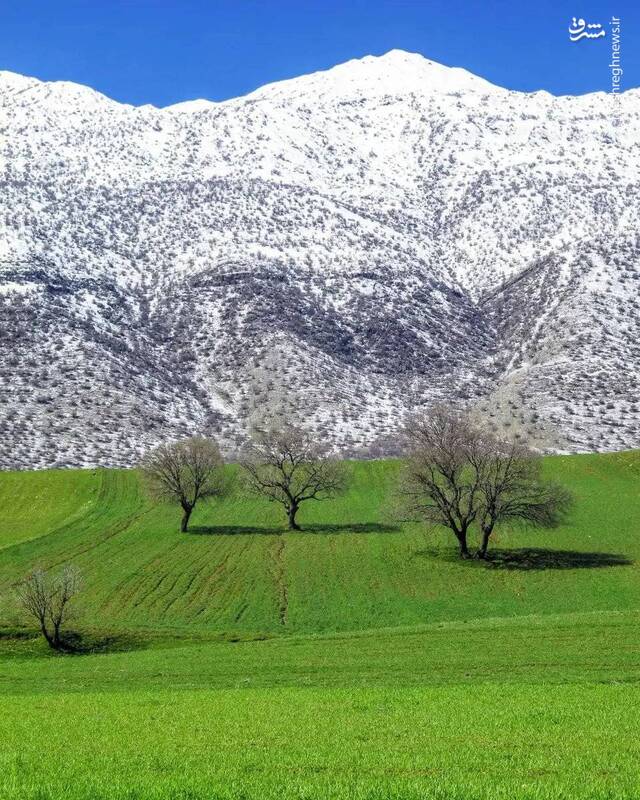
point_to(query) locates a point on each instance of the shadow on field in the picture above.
(533, 558)
(16, 634)
(538, 558)
(75, 643)
(365, 527)
(231, 530)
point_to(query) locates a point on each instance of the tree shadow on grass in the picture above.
(526, 558)
(232, 530)
(16, 634)
(365, 527)
(535, 558)
(76, 643)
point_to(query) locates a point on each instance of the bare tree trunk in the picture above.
(291, 513)
(47, 636)
(464, 550)
(184, 525)
(482, 552)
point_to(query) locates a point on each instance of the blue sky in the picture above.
(165, 51)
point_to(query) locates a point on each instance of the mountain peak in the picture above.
(394, 72)
(343, 248)
(63, 96)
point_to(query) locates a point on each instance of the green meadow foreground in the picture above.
(355, 659)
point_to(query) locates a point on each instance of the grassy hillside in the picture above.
(351, 568)
(356, 659)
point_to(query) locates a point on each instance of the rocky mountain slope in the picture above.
(340, 248)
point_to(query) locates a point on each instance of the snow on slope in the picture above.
(340, 247)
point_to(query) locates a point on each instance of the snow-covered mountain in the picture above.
(341, 248)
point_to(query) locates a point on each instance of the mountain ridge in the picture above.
(341, 262)
(473, 82)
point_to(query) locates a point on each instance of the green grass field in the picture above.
(355, 659)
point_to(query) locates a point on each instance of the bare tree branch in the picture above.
(287, 467)
(184, 473)
(438, 483)
(459, 475)
(46, 598)
(513, 489)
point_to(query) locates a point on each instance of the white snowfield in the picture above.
(338, 249)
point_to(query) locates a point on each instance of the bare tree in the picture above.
(513, 489)
(437, 483)
(459, 475)
(185, 472)
(287, 467)
(46, 598)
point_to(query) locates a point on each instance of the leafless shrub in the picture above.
(46, 599)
